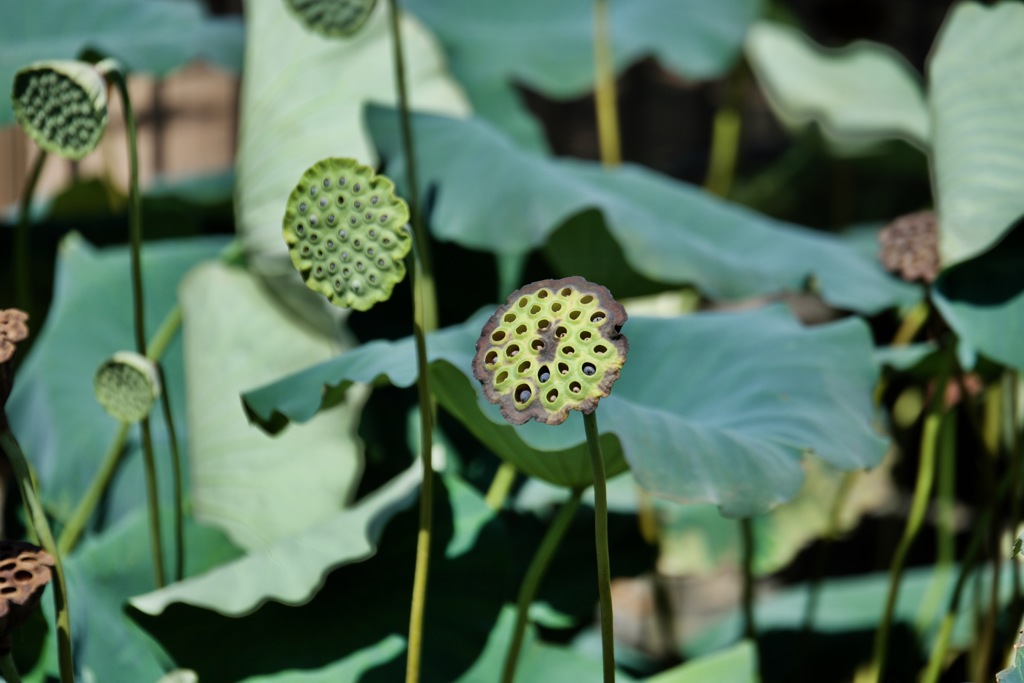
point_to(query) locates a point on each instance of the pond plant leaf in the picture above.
(860, 94)
(332, 17)
(712, 408)
(667, 231)
(257, 489)
(977, 107)
(548, 47)
(1015, 672)
(150, 36)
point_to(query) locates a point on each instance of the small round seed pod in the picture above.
(13, 329)
(555, 346)
(127, 385)
(332, 17)
(62, 105)
(25, 569)
(910, 247)
(346, 234)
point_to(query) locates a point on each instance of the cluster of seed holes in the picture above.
(61, 111)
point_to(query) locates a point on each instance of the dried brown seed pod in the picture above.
(13, 329)
(555, 346)
(910, 247)
(25, 569)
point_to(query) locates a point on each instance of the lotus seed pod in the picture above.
(12, 330)
(332, 17)
(62, 105)
(127, 385)
(25, 569)
(346, 233)
(555, 346)
(910, 247)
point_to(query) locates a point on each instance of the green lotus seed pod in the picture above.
(555, 346)
(346, 233)
(62, 105)
(127, 385)
(332, 17)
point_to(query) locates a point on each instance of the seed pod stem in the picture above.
(604, 573)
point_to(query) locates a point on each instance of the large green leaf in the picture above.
(53, 411)
(860, 94)
(667, 231)
(153, 36)
(550, 46)
(302, 101)
(983, 299)
(361, 609)
(977, 107)
(736, 664)
(710, 408)
(258, 489)
(1015, 672)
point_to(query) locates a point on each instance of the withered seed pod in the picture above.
(910, 247)
(25, 569)
(555, 346)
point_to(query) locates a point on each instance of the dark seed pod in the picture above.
(571, 325)
(25, 569)
(910, 247)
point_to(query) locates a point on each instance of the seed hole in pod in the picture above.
(372, 233)
(585, 335)
(524, 367)
(353, 220)
(357, 187)
(338, 285)
(535, 309)
(386, 241)
(332, 266)
(372, 278)
(537, 344)
(510, 317)
(346, 272)
(357, 243)
(342, 180)
(369, 215)
(319, 271)
(574, 315)
(330, 244)
(341, 200)
(301, 229)
(312, 192)
(589, 369)
(359, 266)
(345, 256)
(523, 393)
(303, 207)
(358, 204)
(575, 387)
(563, 369)
(383, 218)
(356, 286)
(313, 237)
(600, 348)
(543, 324)
(568, 350)
(597, 317)
(521, 329)
(320, 253)
(374, 199)
(566, 291)
(327, 182)
(7, 590)
(497, 336)
(586, 299)
(343, 235)
(512, 350)
(8, 567)
(544, 374)
(370, 251)
(552, 396)
(381, 263)
(313, 220)
(331, 219)
(502, 376)
(556, 307)
(560, 332)
(323, 202)
(491, 358)
(523, 302)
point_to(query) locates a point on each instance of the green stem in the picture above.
(534, 575)
(179, 495)
(153, 496)
(919, 504)
(7, 668)
(424, 322)
(101, 480)
(22, 255)
(747, 544)
(37, 517)
(604, 88)
(725, 144)
(604, 574)
(500, 486)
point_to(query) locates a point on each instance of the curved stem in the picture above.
(22, 255)
(424, 322)
(37, 517)
(604, 91)
(497, 492)
(7, 668)
(534, 575)
(919, 504)
(179, 495)
(747, 537)
(604, 574)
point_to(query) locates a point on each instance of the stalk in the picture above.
(179, 493)
(919, 504)
(500, 486)
(604, 93)
(7, 668)
(37, 517)
(747, 543)
(533, 577)
(424, 322)
(604, 574)
(23, 287)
